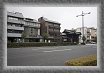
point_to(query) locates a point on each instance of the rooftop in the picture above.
(70, 32)
(15, 14)
(49, 20)
(31, 20)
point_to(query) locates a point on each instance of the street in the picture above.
(47, 56)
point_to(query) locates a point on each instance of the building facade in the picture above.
(15, 26)
(50, 30)
(89, 33)
(85, 34)
(31, 31)
(92, 35)
(20, 29)
(70, 36)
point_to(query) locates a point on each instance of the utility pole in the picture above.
(83, 14)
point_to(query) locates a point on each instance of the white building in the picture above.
(89, 33)
(15, 22)
(20, 29)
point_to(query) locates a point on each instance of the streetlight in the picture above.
(83, 14)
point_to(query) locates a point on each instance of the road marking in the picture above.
(47, 51)
(49, 48)
(57, 50)
(16, 48)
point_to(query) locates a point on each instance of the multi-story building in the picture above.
(32, 30)
(49, 29)
(89, 33)
(15, 22)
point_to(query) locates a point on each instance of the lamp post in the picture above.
(83, 14)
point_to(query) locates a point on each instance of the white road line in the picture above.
(47, 51)
(62, 50)
(57, 50)
(46, 48)
(16, 48)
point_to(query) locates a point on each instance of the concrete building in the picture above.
(50, 30)
(32, 30)
(15, 22)
(89, 33)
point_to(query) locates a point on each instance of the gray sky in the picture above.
(64, 15)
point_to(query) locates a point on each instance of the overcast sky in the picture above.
(64, 15)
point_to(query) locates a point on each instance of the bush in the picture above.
(30, 44)
(89, 60)
(37, 44)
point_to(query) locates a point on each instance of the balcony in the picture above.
(15, 21)
(14, 34)
(32, 25)
(35, 26)
(15, 28)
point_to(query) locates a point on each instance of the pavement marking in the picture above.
(47, 51)
(49, 48)
(57, 50)
(16, 48)
(90, 44)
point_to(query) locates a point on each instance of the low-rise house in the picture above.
(70, 36)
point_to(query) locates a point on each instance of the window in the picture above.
(56, 25)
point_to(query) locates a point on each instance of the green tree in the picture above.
(23, 36)
(83, 38)
(45, 36)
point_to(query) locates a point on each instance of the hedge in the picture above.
(89, 60)
(30, 44)
(36, 44)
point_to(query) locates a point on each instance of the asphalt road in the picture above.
(47, 56)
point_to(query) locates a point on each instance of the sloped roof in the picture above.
(71, 32)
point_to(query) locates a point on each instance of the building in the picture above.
(89, 33)
(32, 30)
(70, 36)
(15, 26)
(50, 30)
(85, 33)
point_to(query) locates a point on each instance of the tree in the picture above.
(45, 36)
(23, 36)
(83, 38)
